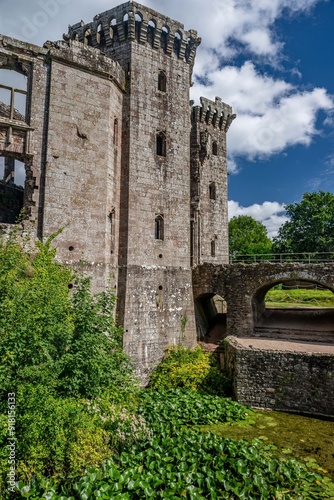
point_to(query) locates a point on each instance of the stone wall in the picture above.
(281, 380)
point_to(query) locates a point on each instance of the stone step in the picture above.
(294, 334)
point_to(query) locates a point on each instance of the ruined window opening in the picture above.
(213, 248)
(88, 37)
(75, 36)
(162, 81)
(115, 132)
(221, 120)
(126, 25)
(159, 227)
(161, 144)
(214, 148)
(164, 38)
(100, 38)
(177, 43)
(212, 191)
(12, 182)
(151, 32)
(13, 95)
(214, 118)
(208, 113)
(138, 25)
(113, 30)
(188, 49)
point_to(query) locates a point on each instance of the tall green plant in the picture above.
(61, 355)
(36, 318)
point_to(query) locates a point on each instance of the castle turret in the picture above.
(209, 223)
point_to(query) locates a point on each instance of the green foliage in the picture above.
(94, 359)
(192, 465)
(36, 321)
(70, 343)
(300, 298)
(183, 407)
(59, 353)
(247, 236)
(190, 369)
(310, 227)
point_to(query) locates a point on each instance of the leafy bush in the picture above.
(94, 360)
(58, 352)
(190, 369)
(176, 407)
(194, 466)
(36, 321)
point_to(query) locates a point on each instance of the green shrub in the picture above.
(176, 407)
(58, 353)
(190, 369)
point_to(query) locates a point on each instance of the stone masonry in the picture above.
(114, 153)
(282, 377)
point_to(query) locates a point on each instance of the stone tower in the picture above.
(155, 302)
(209, 218)
(114, 153)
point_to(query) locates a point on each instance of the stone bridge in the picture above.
(244, 287)
(279, 359)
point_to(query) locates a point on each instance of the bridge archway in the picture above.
(210, 310)
(244, 287)
(296, 322)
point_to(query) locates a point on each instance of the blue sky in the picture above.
(272, 60)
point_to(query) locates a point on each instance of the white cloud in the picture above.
(269, 213)
(271, 113)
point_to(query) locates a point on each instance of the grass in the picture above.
(299, 298)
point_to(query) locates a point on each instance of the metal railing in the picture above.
(303, 258)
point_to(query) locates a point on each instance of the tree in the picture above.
(311, 225)
(248, 236)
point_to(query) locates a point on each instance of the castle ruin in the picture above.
(97, 135)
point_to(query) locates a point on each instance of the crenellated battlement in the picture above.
(214, 113)
(136, 23)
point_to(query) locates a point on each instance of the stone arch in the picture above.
(161, 143)
(211, 312)
(164, 38)
(151, 29)
(177, 43)
(215, 118)
(138, 25)
(162, 81)
(221, 120)
(188, 49)
(126, 25)
(88, 37)
(113, 32)
(212, 191)
(295, 323)
(100, 36)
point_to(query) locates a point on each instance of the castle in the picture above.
(97, 135)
